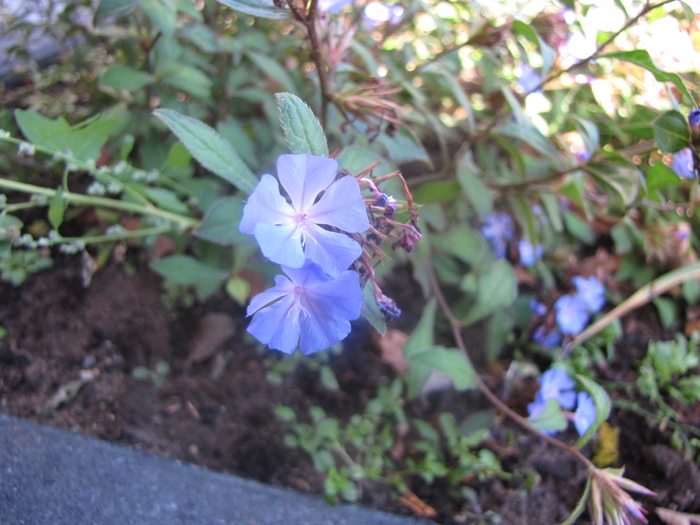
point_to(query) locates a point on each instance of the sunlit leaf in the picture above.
(671, 132)
(450, 361)
(261, 8)
(301, 128)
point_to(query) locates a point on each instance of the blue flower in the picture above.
(546, 338)
(694, 120)
(591, 292)
(529, 80)
(307, 309)
(498, 231)
(585, 413)
(529, 254)
(555, 383)
(683, 164)
(571, 314)
(291, 232)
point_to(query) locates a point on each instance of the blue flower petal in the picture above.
(304, 176)
(556, 383)
(341, 207)
(277, 325)
(571, 314)
(280, 244)
(283, 286)
(334, 252)
(585, 413)
(591, 292)
(266, 204)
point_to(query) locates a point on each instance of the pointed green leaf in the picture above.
(183, 269)
(495, 287)
(209, 148)
(220, 224)
(421, 338)
(301, 128)
(551, 418)
(642, 58)
(450, 361)
(261, 8)
(602, 408)
(671, 132)
(109, 8)
(57, 208)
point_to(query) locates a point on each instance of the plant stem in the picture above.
(456, 326)
(128, 234)
(317, 54)
(89, 200)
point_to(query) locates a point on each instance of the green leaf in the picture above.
(220, 224)
(261, 8)
(531, 136)
(238, 289)
(624, 181)
(10, 227)
(440, 191)
(84, 140)
(547, 52)
(57, 208)
(162, 14)
(109, 8)
(272, 69)
(602, 407)
(186, 78)
(126, 77)
(166, 199)
(642, 58)
(421, 339)
(301, 128)
(403, 147)
(371, 310)
(551, 418)
(495, 288)
(183, 269)
(450, 361)
(473, 187)
(209, 148)
(671, 132)
(578, 227)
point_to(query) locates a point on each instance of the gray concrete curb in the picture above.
(52, 477)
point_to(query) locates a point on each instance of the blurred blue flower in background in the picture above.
(591, 292)
(529, 79)
(529, 254)
(546, 338)
(287, 233)
(307, 309)
(585, 413)
(683, 164)
(555, 383)
(498, 230)
(571, 314)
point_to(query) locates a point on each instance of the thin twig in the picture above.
(456, 326)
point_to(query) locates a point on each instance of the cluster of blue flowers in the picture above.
(306, 232)
(573, 311)
(498, 230)
(556, 384)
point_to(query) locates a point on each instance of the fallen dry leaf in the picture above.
(214, 329)
(391, 345)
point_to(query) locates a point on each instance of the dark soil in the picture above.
(70, 354)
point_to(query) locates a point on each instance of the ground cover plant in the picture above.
(445, 252)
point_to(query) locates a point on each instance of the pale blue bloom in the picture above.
(683, 164)
(290, 232)
(591, 292)
(307, 309)
(538, 308)
(546, 338)
(498, 231)
(529, 80)
(529, 254)
(571, 314)
(555, 383)
(585, 413)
